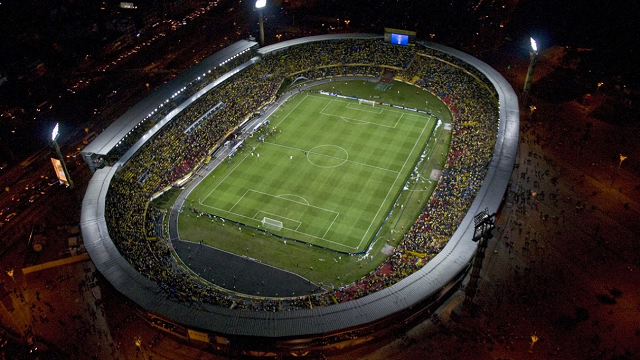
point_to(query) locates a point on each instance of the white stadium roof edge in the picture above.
(409, 293)
(111, 136)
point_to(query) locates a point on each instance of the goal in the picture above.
(271, 224)
(366, 102)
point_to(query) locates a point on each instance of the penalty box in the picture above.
(352, 111)
(295, 212)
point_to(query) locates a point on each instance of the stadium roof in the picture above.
(110, 137)
(285, 44)
(405, 296)
(173, 113)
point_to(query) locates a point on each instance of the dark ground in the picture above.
(240, 273)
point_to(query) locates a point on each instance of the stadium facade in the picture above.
(303, 331)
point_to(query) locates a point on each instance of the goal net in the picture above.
(366, 102)
(271, 224)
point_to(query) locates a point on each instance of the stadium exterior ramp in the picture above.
(330, 327)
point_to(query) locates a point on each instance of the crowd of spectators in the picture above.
(474, 131)
(173, 153)
(164, 108)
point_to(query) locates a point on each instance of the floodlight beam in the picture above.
(54, 133)
(534, 46)
(54, 143)
(527, 80)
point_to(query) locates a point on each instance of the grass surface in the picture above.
(332, 172)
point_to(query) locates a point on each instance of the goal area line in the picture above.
(252, 200)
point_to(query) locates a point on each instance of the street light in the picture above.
(10, 273)
(54, 136)
(534, 55)
(259, 5)
(615, 175)
(138, 341)
(534, 340)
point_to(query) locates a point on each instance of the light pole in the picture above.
(10, 273)
(484, 224)
(534, 55)
(138, 341)
(259, 5)
(54, 136)
(615, 175)
(534, 340)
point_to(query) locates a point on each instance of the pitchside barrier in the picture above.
(360, 101)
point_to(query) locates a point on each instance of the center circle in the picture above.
(327, 156)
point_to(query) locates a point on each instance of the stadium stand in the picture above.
(141, 117)
(119, 227)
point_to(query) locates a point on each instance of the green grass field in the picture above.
(320, 265)
(330, 173)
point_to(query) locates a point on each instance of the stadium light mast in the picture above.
(534, 55)
(260, 4)
(484, 224)
(54, 143)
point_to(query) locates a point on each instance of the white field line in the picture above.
(334, 157)
(419, 115)
(290, 111)
(293, 201)
(358, 107)
(360, 121)
(337, 213)
(225, 178)
(392, 186)
(256, 217)
(239, 199)
(239, 162)
(241, 216)
(294, 195)
(329, 228)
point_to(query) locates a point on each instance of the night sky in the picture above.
(60, 32)
(609, 28)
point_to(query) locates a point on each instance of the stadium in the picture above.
(205, 119)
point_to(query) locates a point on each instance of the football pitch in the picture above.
(329, 173)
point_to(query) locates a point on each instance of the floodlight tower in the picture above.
(484, 224)
(534, 55)
(54, 143)
(259, 5)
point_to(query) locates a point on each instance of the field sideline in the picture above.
(330, 171)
